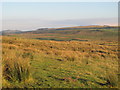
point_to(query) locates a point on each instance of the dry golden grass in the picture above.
(99, 56)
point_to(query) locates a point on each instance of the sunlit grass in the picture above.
(45, 64)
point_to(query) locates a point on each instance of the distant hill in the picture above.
(7, 32)
(54, 30)
(90, 27)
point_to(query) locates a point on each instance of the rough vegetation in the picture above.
(34, 63)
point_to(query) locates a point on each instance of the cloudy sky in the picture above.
(34, 15)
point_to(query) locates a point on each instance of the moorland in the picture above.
(69, 57)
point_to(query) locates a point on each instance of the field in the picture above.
(63, 58)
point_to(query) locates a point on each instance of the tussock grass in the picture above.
(16, 70)
(16, 67)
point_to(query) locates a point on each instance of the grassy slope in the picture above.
(64, 64)
(90, 34)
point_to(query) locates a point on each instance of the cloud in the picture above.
(38, 23)
(99, 21)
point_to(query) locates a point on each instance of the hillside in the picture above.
(7, 32)
(59, 64)
(78, 33)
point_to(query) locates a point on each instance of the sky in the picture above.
(34, 15)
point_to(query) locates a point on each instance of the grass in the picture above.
(70, 34)
(16, 68)
(72, 58)
(36, 63)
